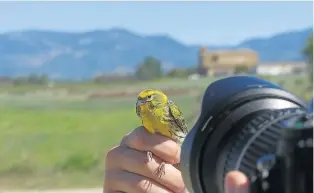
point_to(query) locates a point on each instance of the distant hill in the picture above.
(82, 55)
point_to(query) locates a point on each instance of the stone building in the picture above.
(225, 62)
(282, 68)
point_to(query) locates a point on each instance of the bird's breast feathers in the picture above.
(157, 120)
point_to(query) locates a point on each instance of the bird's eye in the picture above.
(149, 96)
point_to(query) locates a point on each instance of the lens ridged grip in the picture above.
(258, 138)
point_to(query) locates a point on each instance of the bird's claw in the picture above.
(160, 171)
(150, 156)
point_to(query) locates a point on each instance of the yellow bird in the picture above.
(160, 115)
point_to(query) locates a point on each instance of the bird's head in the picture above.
(150, 98)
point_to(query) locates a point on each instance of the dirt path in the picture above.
(96, 190)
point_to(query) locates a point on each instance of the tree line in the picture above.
(30, 79)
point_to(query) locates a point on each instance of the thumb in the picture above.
(236, 182)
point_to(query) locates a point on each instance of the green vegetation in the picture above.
(57, 136)
(181, 72)
(241, 69)
(308, 52)
(149, 69)
(61, 139)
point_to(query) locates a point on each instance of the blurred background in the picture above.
(70, 73)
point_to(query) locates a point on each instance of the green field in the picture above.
(57, 137)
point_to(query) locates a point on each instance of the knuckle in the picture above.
(111, 155)
(146, 166)
(124, 140)
(136, 140)
(177, 155)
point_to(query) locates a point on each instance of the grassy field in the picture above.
(57, 137)
(60, 143)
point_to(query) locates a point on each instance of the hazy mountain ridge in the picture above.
(82, 55)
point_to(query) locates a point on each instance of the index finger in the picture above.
(161, 146)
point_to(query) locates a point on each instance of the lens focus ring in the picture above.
(258, 138)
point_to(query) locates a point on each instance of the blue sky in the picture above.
(188, 22)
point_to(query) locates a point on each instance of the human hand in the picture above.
(129, 170)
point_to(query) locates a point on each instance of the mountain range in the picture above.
(116, 50)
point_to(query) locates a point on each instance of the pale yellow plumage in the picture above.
(160, 115)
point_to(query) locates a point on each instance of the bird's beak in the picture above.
(140, 102)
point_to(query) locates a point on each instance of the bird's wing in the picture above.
(176, 118)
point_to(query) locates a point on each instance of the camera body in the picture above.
(244, 125)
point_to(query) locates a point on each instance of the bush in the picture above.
(241, 69)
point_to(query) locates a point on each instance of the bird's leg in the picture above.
(160, 171)
(149, 156)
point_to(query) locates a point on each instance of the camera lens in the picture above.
(239, 122)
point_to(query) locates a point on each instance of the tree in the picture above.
(44, 79)
(241, 69)
(20, 80)
(33, 78)
(149, 69)
(182, 72)
(308, 53)
(37, 79)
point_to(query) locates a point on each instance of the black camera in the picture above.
(254, 126)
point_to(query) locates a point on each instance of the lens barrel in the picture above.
(239, 121)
